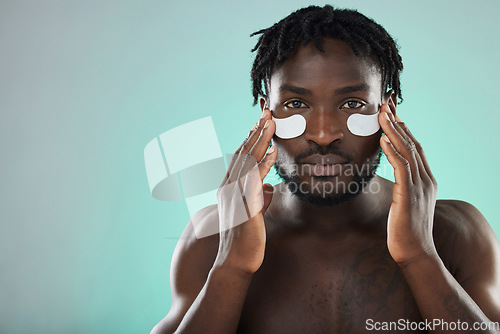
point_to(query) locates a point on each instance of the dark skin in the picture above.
(390, 253)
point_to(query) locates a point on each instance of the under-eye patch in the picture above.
(290, 127)
(358, 124)
(363, 125)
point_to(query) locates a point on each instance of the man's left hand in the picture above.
(409, 226)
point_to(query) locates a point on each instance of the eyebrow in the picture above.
(353, 89)
(343, 90)
(295, 89)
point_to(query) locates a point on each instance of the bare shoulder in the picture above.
(463, 218)
(470, 250)
(464, 238)
(192, 261)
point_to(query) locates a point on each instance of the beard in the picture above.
(316, 192)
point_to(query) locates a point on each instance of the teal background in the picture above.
(84, 85)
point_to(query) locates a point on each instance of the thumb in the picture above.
(268, 196)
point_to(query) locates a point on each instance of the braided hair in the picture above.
(278, 42)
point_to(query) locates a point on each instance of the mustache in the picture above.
(324, 150)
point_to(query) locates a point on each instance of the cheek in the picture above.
(285, 148)
(288, 150)
(367, 148)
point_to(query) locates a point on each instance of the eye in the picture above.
(352, 105)
(295, 104)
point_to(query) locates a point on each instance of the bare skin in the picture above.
(392, 252)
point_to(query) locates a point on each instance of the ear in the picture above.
(390, 98)
(263, 103)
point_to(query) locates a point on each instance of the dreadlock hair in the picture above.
(278, 42)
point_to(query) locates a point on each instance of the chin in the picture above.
(326, 190)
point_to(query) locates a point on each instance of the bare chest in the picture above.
(330, 289)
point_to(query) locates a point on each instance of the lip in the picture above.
(328, 159)
(322, 170)
(323, 165)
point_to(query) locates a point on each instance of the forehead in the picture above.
(338, 66)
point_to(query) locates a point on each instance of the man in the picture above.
(336, 248)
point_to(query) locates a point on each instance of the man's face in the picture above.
(327, 164)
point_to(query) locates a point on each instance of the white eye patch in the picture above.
(290, 127)
(295, 125)
(363, 125)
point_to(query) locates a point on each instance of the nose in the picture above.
(324, 127)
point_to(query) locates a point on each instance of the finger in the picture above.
(405, 133)
(251, 131)
(424, 168)
(234, 157)
(393, 116)
(239, 156)
(402, 172)
(255, 133)
(262, 144)
(256, 161)
(268, 196)
(257, 152)
(267, 162)
(399, 141)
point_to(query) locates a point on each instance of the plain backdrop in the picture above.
(84, 85)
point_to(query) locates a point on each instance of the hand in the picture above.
(409, 226)
(241, 246)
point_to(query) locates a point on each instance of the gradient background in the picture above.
(84, 85)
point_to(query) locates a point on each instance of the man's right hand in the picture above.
(210, 276)
(241, 246)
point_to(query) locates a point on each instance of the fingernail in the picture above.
(271, 150)
(386, 138)
(255, 126)
(266, 124)
(398, 119)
